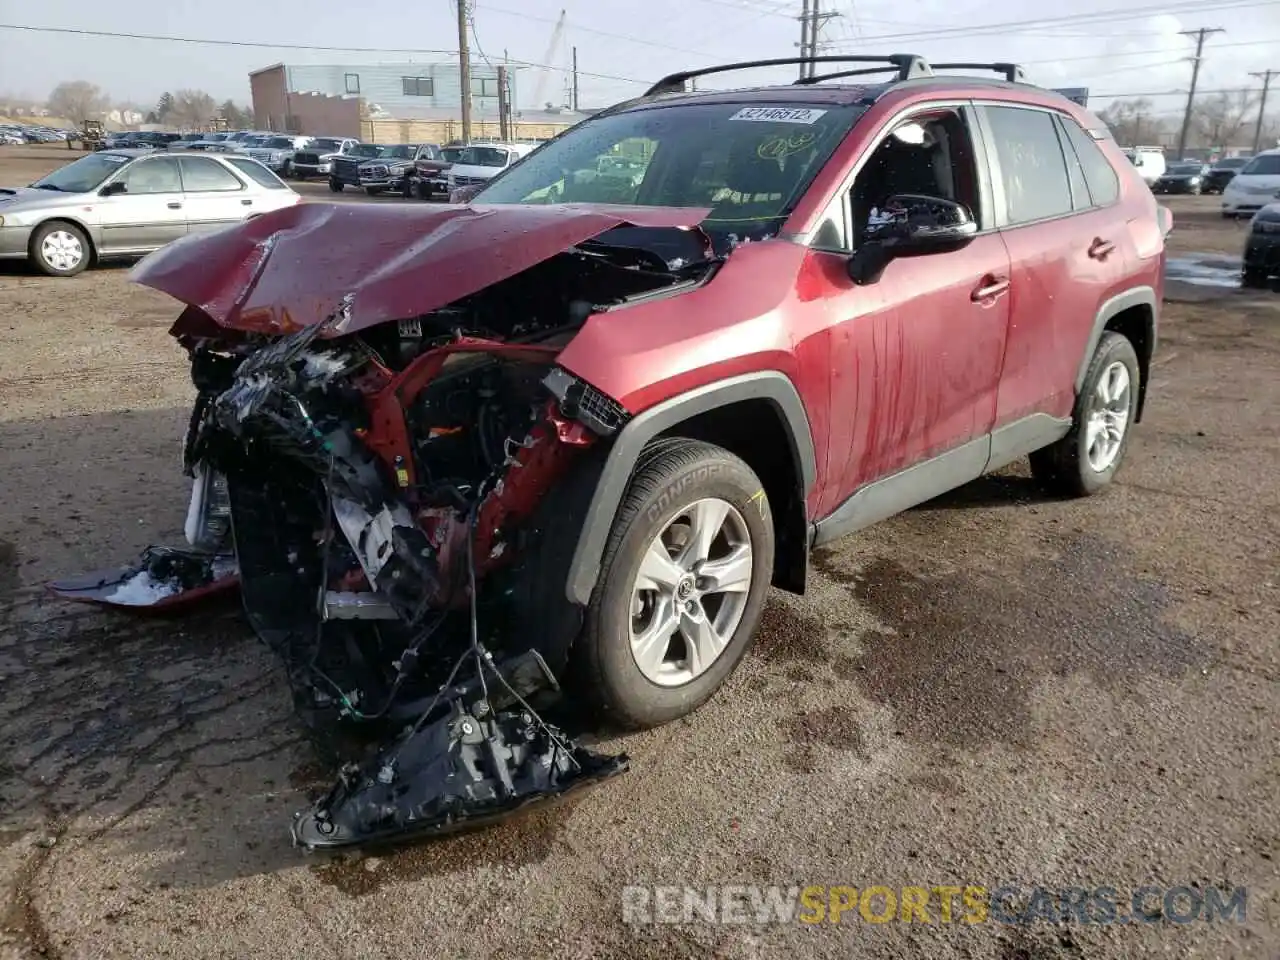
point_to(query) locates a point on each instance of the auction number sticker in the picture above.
(778, 114)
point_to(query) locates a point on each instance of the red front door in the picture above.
(915, 360)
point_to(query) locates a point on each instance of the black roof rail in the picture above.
(840, 74)
(1012, 72)
(908, 65)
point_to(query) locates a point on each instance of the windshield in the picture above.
(748, 164)
(401, 151)
(324, 145)
(1231, 163)
(252, 141)
(1185, 169)
(83, 175)
(483, 157)
(365, 150)
(1265, 166)
(279, 143)
(452, 154)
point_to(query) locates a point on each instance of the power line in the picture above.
(1142, 53)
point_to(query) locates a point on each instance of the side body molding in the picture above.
(767, 385)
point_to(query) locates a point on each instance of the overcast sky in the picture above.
(1141, 53)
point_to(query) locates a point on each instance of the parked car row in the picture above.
(18, 133)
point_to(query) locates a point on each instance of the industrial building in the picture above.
(390, 101)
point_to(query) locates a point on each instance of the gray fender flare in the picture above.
(768, 385)
(1136, 297)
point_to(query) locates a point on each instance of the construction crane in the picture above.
(557, 37)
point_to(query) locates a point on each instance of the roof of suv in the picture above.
(915, 75)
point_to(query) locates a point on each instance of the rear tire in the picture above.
(659, 638)
(1087, 458)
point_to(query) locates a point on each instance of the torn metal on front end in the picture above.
(374, 454)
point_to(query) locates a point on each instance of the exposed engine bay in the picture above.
(371, 490)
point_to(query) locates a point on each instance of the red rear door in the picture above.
(1068, 254)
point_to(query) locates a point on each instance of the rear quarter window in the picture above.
(257, 172)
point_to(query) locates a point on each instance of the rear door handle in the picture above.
(989, 288)
(175, 204)
(1100, 248)
(246, 201)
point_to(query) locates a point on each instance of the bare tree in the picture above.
(192, 109)
(1133, 122)
(1223, 118)
(78, 101)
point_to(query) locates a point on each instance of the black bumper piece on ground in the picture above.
(485, 756)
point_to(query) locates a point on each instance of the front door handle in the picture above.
(175, 204)
(989, 288)
(246, 201)
(1099, 249)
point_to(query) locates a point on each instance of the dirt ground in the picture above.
(995, 688)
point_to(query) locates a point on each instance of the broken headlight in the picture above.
(581, 401)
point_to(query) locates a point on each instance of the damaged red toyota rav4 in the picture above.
(561, 440)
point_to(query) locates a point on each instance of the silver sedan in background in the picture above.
(126, 203)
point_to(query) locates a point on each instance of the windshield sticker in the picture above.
(113, 158)
(778, 114)
(775, 148)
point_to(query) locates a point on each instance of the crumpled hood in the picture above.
(372, 263)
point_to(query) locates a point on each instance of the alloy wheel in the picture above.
(690, 592)
(1108, 418)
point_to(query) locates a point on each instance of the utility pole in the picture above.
(1265, 77)
(504, 106)
(575, 80)
(464, 70)
(1195, 78)
(805, 20)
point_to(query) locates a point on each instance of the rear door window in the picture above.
(200, 175)
(1104, 185)
(1033, 169)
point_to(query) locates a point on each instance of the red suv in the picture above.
(596, 416)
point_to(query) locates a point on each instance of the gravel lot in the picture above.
(994, 688)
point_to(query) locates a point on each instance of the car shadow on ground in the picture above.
(993, 490)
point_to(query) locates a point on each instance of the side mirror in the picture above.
(910, 225)
(113, 188)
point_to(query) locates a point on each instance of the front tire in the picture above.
(682, 585)
(336, 185)
(60, 249)
(1254, 279)
(1087, 458)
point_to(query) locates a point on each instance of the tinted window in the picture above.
(152, 176)
(1267, 166)
(199, 174)
(1101, 177)
(1231, 163)
(1032, 166)
(324, 145)
(365, 150)
(401, 151)
(257, 172)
